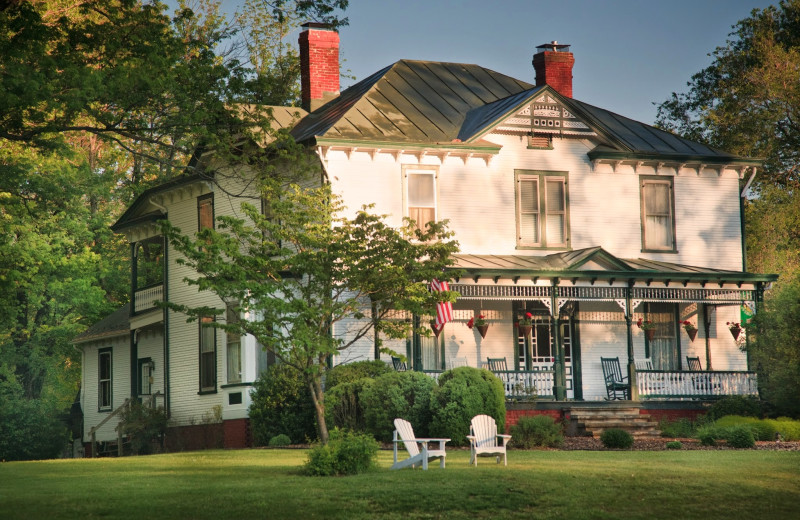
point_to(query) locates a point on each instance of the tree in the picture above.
(303, 268)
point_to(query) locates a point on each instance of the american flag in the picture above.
(444, 310)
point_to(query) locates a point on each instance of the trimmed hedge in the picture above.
(351, 372)
(397, 394)
(282, 405)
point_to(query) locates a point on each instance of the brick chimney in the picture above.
(553, 65)
(319, 65)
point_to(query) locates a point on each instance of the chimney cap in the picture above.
(553, 46)
(316, 25)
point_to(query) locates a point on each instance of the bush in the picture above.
(280, 440)
(346, 453)
(397, 394)
(281, 404)
(681, 428)
(740, 437)
(463, 393)
(674, 445)
(29, 429)
(709, 435)
(144, 427)
(343, 406)
(735, 405)
(788, 428)
(762, 430)
(351, 372)
(614, 438)
(536, 430)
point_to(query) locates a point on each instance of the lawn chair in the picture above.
(457, 362)
(484, 441)
(418, 451)
(399, 364)
(616, 385)
(497, 364)
(694, 364)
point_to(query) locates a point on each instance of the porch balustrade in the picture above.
(521, 384)
(145, 299)
(656, 384)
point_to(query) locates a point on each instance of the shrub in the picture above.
(762, 430)
(735, 405)
(615, 438)
(351, 372)
(280, 440)
(144, 427)
(740, 437)
(536, 430)
(397, 394)
(680, 428)
(788, 428)
(674, 445)
(463, 393)
(281, 404)
(347, 453)
(29, 429)
(343, 406)
(709, 435)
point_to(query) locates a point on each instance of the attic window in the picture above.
(540, 142)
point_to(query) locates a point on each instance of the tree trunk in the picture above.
(317, 394)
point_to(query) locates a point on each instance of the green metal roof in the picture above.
(115, 324)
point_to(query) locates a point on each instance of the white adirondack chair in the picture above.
(418, 451)
(484, 441)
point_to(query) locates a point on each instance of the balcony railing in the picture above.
(655, 384)
(520, 384)
(145, 299)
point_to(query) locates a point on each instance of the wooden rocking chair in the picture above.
(616, 385)
(399, 364)
(419, 454)
(484, 441)
(497, 364)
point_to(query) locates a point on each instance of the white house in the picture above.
(585, 219)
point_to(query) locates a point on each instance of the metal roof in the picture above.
(115, 324)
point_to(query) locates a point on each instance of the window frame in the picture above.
(203, 355)
(644, 181)
(202, 200)
(424, 169)
(542, 177)
(145, 363)
(231, 339)
(101, 353)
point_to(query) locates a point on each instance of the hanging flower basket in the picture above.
(690, 329)
(650, 333)
(648, 327)
(482, 330)
(479, 323)
(525, 329)
(735, 329)
(525, 324)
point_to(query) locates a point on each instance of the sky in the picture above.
(629, 54)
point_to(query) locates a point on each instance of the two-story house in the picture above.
(582, 218)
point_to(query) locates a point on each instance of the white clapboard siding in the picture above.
(120, 384)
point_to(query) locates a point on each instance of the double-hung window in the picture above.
(420, 194)
(208, 355)
(205, 212)
(658, 210)
(542, 216)
(104, 379)
(234, 349)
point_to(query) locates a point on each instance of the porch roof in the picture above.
(115, 324)
(595, 263)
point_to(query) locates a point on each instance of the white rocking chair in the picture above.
(418, 451)
(484, 440)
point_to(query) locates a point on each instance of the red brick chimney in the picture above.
(319, 65)
(553, 65)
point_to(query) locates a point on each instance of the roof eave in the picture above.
(680, 158)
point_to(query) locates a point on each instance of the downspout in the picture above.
(742, 197)
(707, 329)
(559, 371)
(166, 328)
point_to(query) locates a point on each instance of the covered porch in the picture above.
(585, 305)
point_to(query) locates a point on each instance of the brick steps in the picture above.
(593, 421)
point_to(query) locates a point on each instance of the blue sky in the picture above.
(628, 53)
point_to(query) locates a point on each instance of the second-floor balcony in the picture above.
(145, 299)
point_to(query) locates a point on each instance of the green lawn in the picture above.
(536, 484)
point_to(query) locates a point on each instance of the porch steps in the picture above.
(593, 421)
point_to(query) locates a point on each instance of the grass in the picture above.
(536, 484)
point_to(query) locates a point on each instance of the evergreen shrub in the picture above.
(674, 445)
(740, 437)
(406, 395)
(347, 453)
(280, 440)
(735, 405)
(351, 372)
(343, 406)
(29, 429)
(537, 431)
(144, 426)
(281, 403)
(615, 438)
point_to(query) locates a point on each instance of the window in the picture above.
(542, 220)
(146, 367)
(234, 349)
(104, 379)
(205, 212)
(421, 195)
(208, 356)
(658, 224)
(149, 262)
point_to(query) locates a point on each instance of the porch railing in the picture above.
(521, 385)
(145, 299)
(656, 384)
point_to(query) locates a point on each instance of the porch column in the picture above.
(633, 390)
(559, 370)
(707, 329)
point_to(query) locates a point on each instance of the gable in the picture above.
(545, 114)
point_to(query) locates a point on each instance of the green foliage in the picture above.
(734, 405)
(788, 428)
(281, 405)
(398, 394)
(681, 428)
(617, 439)
(740, 437)
(709, 435)
(463, 393)
(343, 404)
(674, 445)
(537, 431)
(346, 453)
(763, 430)
(280, 440)
(144, 426)
(29, 429)
(350, 372)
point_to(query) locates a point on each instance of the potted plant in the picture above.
(525, 324)
(690, 329)
(735, 328)
(479, 323)
(648, 327)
